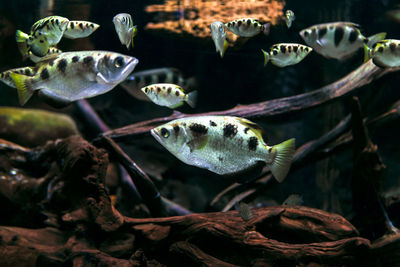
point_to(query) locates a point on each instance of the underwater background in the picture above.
(176, 34)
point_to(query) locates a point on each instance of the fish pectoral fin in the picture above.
(101, 79)
(23, 86)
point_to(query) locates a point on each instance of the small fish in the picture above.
(224, 145)
(385, 53)
(124, 27)
(218, 35)
(293, 200)
(44, 33)
(245, 211)
(289, 18)
(140, 79)
(52, 50)
(247, 27)
(337, 40)
(79, 29)
(169, 95)
(70, 76)
(283, 55)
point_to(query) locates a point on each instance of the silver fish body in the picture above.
(386, 53)
(247, 27)
(223, 144)
(289, 18)
(218, 34)
(125, 29)
(337, 40)
(70, 76)
(169, 95)
(79, 29)
(286, 54)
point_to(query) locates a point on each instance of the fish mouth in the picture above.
(153, 132)
(130, 66)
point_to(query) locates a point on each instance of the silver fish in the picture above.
(125, 29)
(169, 95)
(385, 53)
(289, 18)
(224, 145)
(286, 54)
(247, 27)
(70, 76)
(218, 35)
(337, 40)
(293, 200)
(245, 211)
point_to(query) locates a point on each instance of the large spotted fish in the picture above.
(224, 145)
(385, 53)
(218, 34)
(139, 79)
(337, 40)
(70, 76)
(169, 95)
(286, 54)
(44, 33)
(247, 27)
(125, 29)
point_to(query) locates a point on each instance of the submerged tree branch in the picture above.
(363, 75)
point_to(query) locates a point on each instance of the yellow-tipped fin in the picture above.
(21, 37)
(192, 99)
(283, 159)
(266, 57)
(24, 89)
(367, 53)
(376, 38)
(226, 45)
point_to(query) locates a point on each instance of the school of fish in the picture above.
(224, 145)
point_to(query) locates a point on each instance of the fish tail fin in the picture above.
(24, 88)
(375, 38)
(367, 53)
(21, 37)
(192, 99)
(226, 45)
(283, 159)
(266, 28)
(266, 57)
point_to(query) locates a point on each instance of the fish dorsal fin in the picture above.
(255, 128)
(352, 24)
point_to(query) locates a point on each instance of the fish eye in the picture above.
(164, 132)
(146, 90)
(118, 62)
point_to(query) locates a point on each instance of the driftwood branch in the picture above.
(363, 75)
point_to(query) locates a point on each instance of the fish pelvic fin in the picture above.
(192, 99)
(266, 57)
(24, 87)
(375, 38)
(284, 153)
(226, 45)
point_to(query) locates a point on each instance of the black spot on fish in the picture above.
(106, 60)
(198, 129)
(169, 90)
(221, 159)
(158, 89)
(176, 129)
(374, 45)
(339, 32)
(248, 22)
(92, 25)
(239, 23)
(295, 48)
(177, 93)
(255, 24)
(283, 49)
(322, 32)
(352, 36)
(314, 31)
(72, 25)
(57, 21)
(233, 24)
(88, 60)
(81, 25)
(246, 130)
(275, 52)
(41, 41)
(392, 47)
(305, 33)
(229, 24)
(380, 49)
(62, 65)
(270, 150)
(44, 74)
(330, 27)
(213, 123)
(289, 48)
(230, 130)
(75, 59)
(253, 142)
(27, 72)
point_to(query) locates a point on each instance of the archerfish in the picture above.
(224, 145)
(125, 29)
(218, 34)
(169, 95)
(139, 79)
(286, 54)
(338, 40)
(385, 53)
(247, 27)
(289, 18)
(70, 76)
